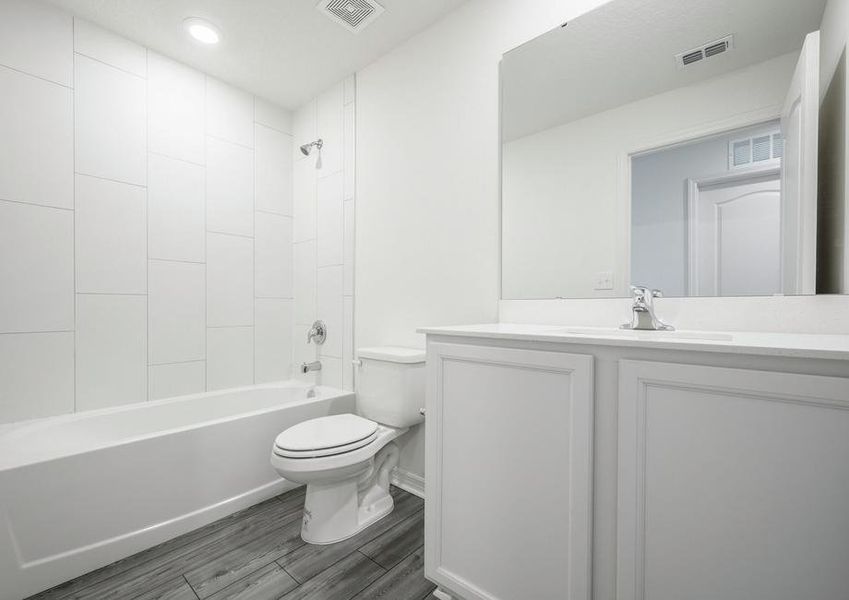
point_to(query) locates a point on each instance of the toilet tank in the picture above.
(391, 385)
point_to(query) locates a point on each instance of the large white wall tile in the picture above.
(36, 375)
(329, 308)
(303, 128)
(168, 381)
(229, 280)
(348, 343)
(273, 340)
(177, 312)
(349, 151)
(350, 89)
(329, 220)
(110, 122)
(229, 113)
(38, 39)
(331, 372)
(229, 188)
(36, 268)
(273, 171)
(329, 127)
(176, 209)
(305, 281)
(273, 262)
(111, 350)
(349, 245)
(105, 46)
(303, 200)
(37, 148)
(176, 122)
(111, 237)
(230, 357)
(273, 116)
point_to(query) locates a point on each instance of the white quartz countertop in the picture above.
(798, 345)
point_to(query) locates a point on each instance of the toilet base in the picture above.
(339, 510)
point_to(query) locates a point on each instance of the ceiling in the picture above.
(625, 50)
(285, 51)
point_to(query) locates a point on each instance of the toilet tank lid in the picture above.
(395, 354)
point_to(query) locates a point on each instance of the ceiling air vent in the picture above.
(353, 15)
(709, 50)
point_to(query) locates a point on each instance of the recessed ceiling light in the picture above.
(202, 30)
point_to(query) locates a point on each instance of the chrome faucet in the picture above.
(643, 318)
(310, 366)
(317, 332)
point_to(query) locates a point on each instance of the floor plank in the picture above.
(391, 547)
(258, 554)
(341, 581)
(254, 517)
(405, 580)
(309, 560)
(268, 583)
(216, 572)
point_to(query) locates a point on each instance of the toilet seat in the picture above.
(326, 436)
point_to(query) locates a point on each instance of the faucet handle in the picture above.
(657, 293)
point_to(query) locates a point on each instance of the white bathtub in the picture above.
(81, 491)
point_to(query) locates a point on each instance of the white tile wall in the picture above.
(167, 381)
(329, 220)
(329, 308)
(229, 187)
(36, 269)
(324, 215)
(36, 129)
(176, 121)
(111, 344)
(37, 39)
(177, 311)
(110, 237)
(273, 339)
(305, 282)
(105, 46)
(27, 389)
(110, 122)
(139, 125)
(230, 358)
(273, 171)
(229, 280)
(176, 209)
(329, 127)
(229, 113)
(273, 262)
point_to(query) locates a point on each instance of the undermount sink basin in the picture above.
(646, 334)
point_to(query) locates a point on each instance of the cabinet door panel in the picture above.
(509, 438)
(733, 484)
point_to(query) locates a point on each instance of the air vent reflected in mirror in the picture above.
(706, 51)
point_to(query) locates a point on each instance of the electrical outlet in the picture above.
(603, 280)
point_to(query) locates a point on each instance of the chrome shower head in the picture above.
(306, 150)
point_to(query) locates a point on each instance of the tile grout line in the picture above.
(74, 190)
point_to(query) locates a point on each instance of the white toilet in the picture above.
(346, 460)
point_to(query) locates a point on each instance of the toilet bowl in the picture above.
(346, 460)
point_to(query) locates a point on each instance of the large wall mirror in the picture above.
(666, 143)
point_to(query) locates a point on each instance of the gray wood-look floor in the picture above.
(258, 554)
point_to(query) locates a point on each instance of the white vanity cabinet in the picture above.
(509, 446)
(567, 466)
(733, 484)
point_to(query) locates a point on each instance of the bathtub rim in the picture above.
(11, 431)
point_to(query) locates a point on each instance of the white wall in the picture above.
(324, 210)
(428, 175)
(145, 223)
(563, 188)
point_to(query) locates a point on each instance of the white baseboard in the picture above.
(409, 482)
